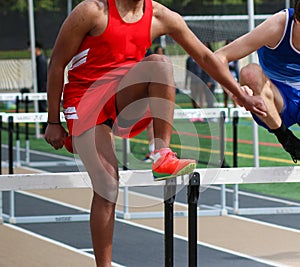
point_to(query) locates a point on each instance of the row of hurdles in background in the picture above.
(12, 120)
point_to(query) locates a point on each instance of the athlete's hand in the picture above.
(254, 104)
(55, 135)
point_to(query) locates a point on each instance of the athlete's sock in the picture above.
(281, 133)
(289, 141)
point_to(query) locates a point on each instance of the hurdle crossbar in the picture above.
(31, 117)
(205, 113)
(144, 178)
(24, 117)
(42, 117)
(135, 178)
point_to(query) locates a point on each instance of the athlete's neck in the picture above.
(130, 10)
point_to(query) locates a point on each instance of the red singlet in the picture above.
(97, 68)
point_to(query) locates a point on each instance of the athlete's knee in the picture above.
(252, 76)
(105, 186)
(158, 58)
(250, 73)
(100, 201)
(160, 65)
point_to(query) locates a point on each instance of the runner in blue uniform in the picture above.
(277, 77)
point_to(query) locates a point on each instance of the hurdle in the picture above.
(235, 114)
(26, 118)
(136, 178)
(205, 113)
(222, 209)
(11, 119)
(25, 97)
(10, 96)
(15, 118)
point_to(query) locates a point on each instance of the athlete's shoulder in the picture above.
(161, 11)
(166, 16)
(89, 15)
(90, 7)
(275, 24)
(278, 19)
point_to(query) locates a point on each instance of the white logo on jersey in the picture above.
(79, 59)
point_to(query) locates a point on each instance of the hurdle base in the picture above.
(152, 215)
(50, 163)
(46, 219)
(264, 211)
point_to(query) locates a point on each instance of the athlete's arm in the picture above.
(268, 33)
(167, 22)
(81, 22)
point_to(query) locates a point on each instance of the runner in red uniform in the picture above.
(113, 89)
(98, 67)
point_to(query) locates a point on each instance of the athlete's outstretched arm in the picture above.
(268, 33)
(167, 22)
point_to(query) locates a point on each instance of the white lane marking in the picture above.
(57, 243)
(52, 241)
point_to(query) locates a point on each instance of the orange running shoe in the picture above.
(166, 165)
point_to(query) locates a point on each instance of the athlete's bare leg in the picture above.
(96, 150)
(150, 83)
(253, 76)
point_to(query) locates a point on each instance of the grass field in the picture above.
(201, 141)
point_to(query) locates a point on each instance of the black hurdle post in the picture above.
(235, 122)
(17, 111)
(125, 154)
(169, 198)
(1, 129)
(27, 144)
(11, 164)
(222, 139)
(10, 145)
(222, 160)
(1, 196)
(193, 196)
(26, 124)
(17, 129)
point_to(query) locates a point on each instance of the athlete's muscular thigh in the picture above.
(133, 92)
(132, 101)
